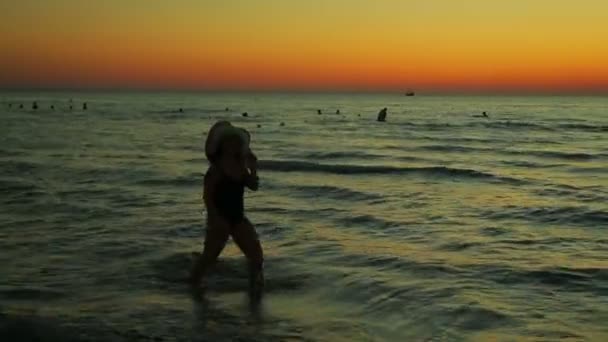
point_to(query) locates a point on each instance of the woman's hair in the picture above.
(221, 145)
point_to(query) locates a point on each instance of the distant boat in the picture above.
(410, 93)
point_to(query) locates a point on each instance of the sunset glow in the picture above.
(385, 45)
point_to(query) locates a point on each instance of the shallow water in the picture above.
(435, 225)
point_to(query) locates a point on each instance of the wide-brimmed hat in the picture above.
(219, 131)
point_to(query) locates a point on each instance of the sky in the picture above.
(440, 46)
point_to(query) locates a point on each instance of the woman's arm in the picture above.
(252, 181)
(251, 162)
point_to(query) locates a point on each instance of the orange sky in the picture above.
(369, 45)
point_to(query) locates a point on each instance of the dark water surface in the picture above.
(434, 225)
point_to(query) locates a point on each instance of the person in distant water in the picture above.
(319, 112)
(483, 115)
(52, 107)
(71, 107)
(245, 114)
(10, 105)
(84, 106)
(233, 166)
(338, 111)
(34, 105)
(382, 115)
(227, 109)
(181, 110)
(282, 124)
(21, 106)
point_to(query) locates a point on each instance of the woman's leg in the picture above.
(245, 236)
(215, 240)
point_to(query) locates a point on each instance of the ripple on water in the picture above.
(559, 215)
(581, 195)
(475, 317)
(430, 171)
(230, 274)
(194, 179)
(563, 278)
(494, 231)
(30, 293)
(333, 192)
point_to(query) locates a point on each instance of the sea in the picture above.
(436, 225)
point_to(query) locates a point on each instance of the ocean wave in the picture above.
(73, 210)
(337, 155)
(190, 110)
(585, 127)
(25, 325)
(17, 192)
(555, 215)
(334, 192)
(431, 126)
(30, 293)
(476, 317)
(111, 173)
(413, 159)
(389, 262)
(574, 279)
(559, 155)
(529, 164)
(305, 213)
(436, 171)
(596, 170)
(569, 279)
(32, 328)
(487, 124)
(577, 156)
(453, 148)
(230, 274)
(507, 124)
(459, 246)
(202, 161)
(493, 231)
(369, 221)
(18, 168)
(485, 141)
(194, 179)
(555, 241)
(513, 125)
(582, 195)
(9, 153)
(16, 187)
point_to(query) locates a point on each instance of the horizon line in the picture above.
(302, 91)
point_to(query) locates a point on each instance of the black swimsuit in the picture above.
(229, 200)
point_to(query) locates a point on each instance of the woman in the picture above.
(232, 167)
